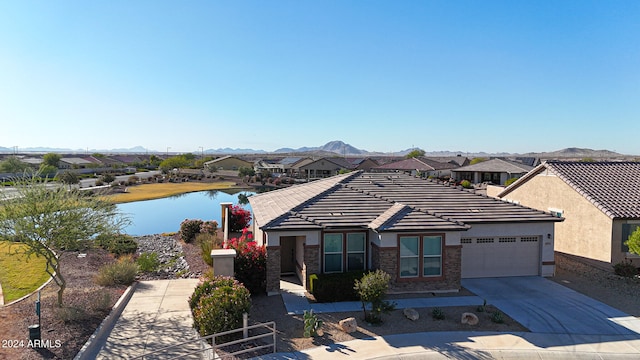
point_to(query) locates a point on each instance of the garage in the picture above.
(500, 256)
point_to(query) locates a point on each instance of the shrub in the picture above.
(625, 268)
(372, 289)
(239, 218)
(250, 264)
(497, 317)
(336, 287)
(207, 243)
(209, 227)
(121, 272)
(217, 305)
(189, 229)
(120, 244)
(482, 307)
(466, 184)
(510, 181)
(148, 262)
(437, 314)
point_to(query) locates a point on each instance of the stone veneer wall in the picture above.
(387, 259)
(311, 263)
(273, 269)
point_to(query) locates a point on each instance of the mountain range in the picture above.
(340, 148)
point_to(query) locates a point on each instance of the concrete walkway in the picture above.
(156, 316)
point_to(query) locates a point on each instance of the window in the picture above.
(332, 253)
(420, 256)
(356, 251)
(344, 252)
(627, 230)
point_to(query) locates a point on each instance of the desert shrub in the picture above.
(121, 272)
(99, 183)
(437, 314)
(250, 264)
(133, 180)
(239, 218)
(497, 317)
(120, 244)
(311, 323)
(625, 268)
(209, 227)
(466, 184)
(217, 305)
(207, 243)
(189, 229)
(108, 178)
(336, 287)
(510, 181)
(148, 262)
(372, 289)
(71, 314)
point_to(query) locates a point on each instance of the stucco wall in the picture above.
(586, 231)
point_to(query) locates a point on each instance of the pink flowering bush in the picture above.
(250, 263)
(239, 218)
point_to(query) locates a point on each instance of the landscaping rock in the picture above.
(469, 318)
(348, 325)
(170, 256)
(411, 314)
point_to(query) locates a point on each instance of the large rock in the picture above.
(411, 314)
(348, 325)
(469, 318)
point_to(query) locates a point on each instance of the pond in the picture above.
(165, 215)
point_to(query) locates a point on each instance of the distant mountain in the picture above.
(336, 146)
(576, 153)
(233, 151)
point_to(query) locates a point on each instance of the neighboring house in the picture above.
(455, 160)
(229, 163)
(289, 166)
(419, 165)
(425, 234)
(325, 167)
(495, 171)
(600, 202)
(78, 162)
(365, 164)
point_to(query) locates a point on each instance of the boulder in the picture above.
(469, 318)
(411, 314)
(348, 325)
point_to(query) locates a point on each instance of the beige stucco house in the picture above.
(495, 171)
(228, 163)
(425, 234)
(600, 202)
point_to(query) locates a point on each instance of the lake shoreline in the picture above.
(162, 190)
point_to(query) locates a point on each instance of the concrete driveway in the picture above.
(544, 306)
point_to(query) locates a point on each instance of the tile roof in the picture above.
(384, 203)
(613, 187)
(497, 165)
(419, 163)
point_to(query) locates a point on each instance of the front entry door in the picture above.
(288, 255)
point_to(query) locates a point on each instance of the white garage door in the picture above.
(500, 256)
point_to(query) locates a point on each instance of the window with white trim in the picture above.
(420, 256)
(332, 253)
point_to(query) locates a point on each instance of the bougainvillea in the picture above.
(239, 218)
(250, 265)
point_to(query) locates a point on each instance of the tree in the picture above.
(633, 242)
(246, 171)
(175, 162)
(47, 170)
(52, 159)
(372, 289)
(50, 219)
(69, 178)
(13, 165)
(415, 153)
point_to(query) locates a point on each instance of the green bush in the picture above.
(466, 184)
(626, 269)
(189, 229)
(120, 244)
(497, 317)
(336, 287)
(372, 289)
(510, 181)
(311, 323)
(148, 262)
(207, 243)
(437, 314)
(121, 272)
(217, 305)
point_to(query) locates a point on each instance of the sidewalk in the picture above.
(156, 316)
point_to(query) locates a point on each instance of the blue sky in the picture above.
(513, 76)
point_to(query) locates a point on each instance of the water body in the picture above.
(166, 214)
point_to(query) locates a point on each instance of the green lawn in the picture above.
(19, 276)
